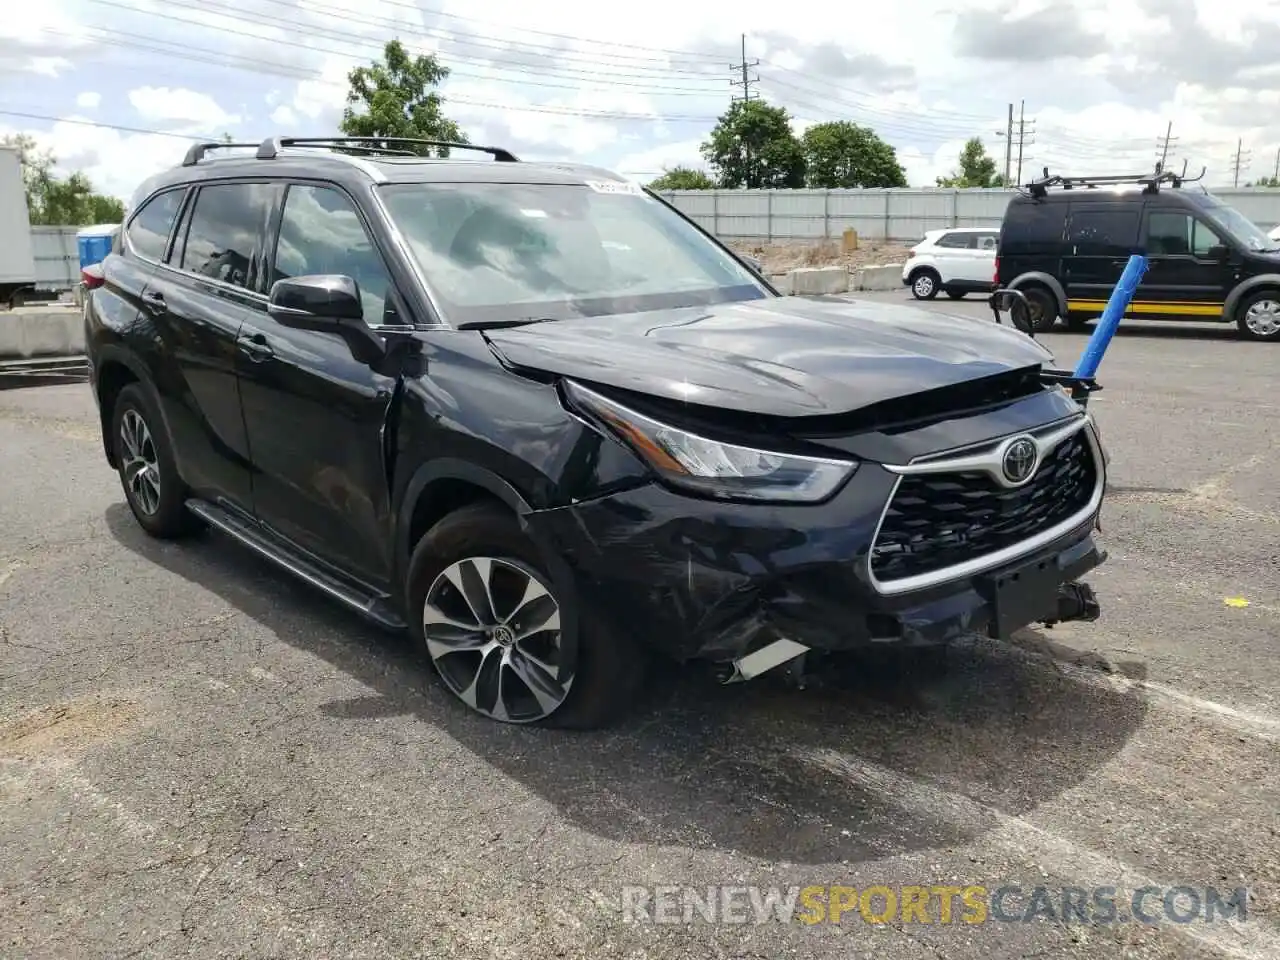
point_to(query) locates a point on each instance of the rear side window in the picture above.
(988, 241)
(960, 241)
(1103, 232)
(149, 230)
(223, 233)
(1033, 227)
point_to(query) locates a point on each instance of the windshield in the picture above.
(1239, 226)
(497, 251)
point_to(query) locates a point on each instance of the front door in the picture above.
(315, 415)
(1100, 240)
(1187, 278)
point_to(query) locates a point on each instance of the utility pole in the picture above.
(1164, 144)
(747, 79)
(1022, 134)
(1276, 176)
(1242, 157)
(747, 97)
(1008, 147)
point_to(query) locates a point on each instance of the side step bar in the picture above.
(369, 605)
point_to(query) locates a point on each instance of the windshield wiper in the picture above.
(501, 324)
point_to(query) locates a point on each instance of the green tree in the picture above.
(682, 178)
(977, 168)
(397, 98)
(53, 200)
(1265, 182)
(841, 155)
(752, 146)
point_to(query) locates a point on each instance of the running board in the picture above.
(764, 660)
(369, 605)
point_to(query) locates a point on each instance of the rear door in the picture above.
(198, 302)
(1100, 239)
(1184, 281)
(955, 256)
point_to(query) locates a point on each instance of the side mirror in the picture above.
(328, 303)
(1218, 252)
(320, 302)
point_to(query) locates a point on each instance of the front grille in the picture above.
(939, 520)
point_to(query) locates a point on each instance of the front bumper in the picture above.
(697, 579)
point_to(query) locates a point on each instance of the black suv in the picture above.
(1065, 241)
(536, 416)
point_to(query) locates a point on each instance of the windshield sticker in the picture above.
(624, 188)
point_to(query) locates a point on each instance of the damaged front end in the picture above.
(753, 585)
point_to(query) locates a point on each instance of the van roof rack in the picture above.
(1150, 182)
(270, 148)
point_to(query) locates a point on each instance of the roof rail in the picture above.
(1150, 182)
(271, 147)
(198, 150)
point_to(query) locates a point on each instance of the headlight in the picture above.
(712, 467)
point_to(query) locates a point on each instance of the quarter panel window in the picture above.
(1103, 233)
(149, 230)
(321, 233)
(223, 233)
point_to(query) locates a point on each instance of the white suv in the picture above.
(958, 261)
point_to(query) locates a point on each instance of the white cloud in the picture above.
(88, 100)
(284, 116)
(163, 104)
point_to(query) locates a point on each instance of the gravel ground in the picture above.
(779, 258)
(200, 757)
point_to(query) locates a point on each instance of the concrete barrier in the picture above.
(818, 281)
(55, 331)
(781, 282)
(879, 278)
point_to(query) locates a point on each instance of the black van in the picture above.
(1065, 241)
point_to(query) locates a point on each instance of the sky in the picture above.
(119, 88)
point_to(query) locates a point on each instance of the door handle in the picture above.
(255, 347)
(153, 300)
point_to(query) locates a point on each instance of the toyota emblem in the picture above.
(1019, 461)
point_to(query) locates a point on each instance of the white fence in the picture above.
(57, 257)
(768, 215)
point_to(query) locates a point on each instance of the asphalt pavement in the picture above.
(200, 757)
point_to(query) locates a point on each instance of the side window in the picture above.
(988, 241)
(223, 232)
(961, 241)
(1173, 233)
(1034, 227)
(1103, 232)
(320, 232)
(149, 230)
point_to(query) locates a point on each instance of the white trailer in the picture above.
(17, 260)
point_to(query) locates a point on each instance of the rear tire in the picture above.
(503, 647)
(925, 283)
(1258, 316)
(154, 491)
(1043, 309)
(956, 294)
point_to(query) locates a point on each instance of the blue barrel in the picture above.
(94, 243)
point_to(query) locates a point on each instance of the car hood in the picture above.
(783, 356)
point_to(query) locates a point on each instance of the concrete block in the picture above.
(879, 278)
(55, 331)
(782, 281)
(819, 281)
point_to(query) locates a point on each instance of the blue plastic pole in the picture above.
(1121, 297)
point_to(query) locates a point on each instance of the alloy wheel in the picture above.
(923, 285)
(492, 628)
(1263, 318)
(141, 467)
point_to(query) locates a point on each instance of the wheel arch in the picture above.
(1047, 280)
(114, 369)
(1263, 281)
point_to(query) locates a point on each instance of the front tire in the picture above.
(154, 491)
(507, 639)
(1042, 309)
(925, 284)
(1258, 317)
